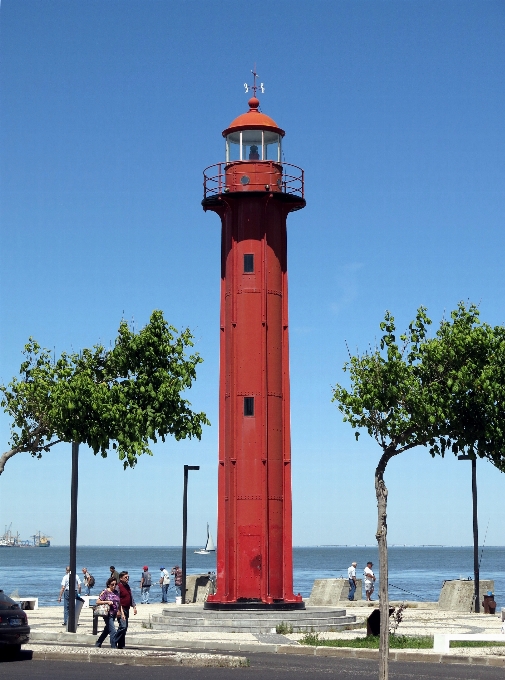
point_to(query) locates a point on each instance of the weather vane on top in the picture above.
(254, 87)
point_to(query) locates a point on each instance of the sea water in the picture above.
(414, 573)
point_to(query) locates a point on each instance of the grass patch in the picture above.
(283, 628)
(371, 642)
(475, 643)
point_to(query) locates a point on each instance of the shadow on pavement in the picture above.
(10, 655)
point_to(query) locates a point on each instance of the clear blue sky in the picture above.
(110, 112)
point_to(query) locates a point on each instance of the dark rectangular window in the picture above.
(249, 264)
(248, 406)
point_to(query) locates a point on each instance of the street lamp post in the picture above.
(476, 574)
(185, 528)
(73, 538)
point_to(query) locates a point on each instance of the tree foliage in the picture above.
(121, 398)
(445, 393)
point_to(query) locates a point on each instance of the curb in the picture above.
(159, 659)
(409, 655)
(305, 650)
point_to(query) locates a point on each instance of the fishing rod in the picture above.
(392, 585)
(484, 543)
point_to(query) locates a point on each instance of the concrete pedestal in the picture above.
(328, 592)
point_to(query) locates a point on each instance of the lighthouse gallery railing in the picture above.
(215, 179)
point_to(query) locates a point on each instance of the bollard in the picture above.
(95, 624)
(489, 603)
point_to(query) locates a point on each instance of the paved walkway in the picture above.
(46, 624)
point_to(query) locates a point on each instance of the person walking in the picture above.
(126, 601)
(114, 573)
(65, 591)
(177, 573)
(88, 580)
(351, 573)
(145, 585)
(164, 583)
(109, 596)
(369, 581)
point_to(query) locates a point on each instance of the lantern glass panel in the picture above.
(272, 143)
(252, 145)
(233, 147)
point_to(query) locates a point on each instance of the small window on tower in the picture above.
(249, 264)
(248, 406)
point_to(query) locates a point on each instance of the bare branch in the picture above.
(5, 457)
(25, 449)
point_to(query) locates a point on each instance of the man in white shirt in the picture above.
(65, 591)
(164, 583)
(351, 573)
(369, 580)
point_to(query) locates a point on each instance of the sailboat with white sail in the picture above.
(209, 545)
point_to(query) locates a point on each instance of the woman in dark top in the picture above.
(109, 596)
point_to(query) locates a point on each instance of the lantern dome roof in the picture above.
(253, 120)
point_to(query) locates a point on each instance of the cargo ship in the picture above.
(10, 540)
(41, 541)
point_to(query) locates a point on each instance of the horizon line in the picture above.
(326, 545)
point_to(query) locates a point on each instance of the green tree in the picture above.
(473, 356)
(121, 398)
(435, 393)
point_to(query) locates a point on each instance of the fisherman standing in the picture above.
(145, 585)
(164, 583)
(351, 573)
(65, 591)
(369, 580)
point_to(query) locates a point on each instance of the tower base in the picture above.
(193, 617)
(254, 606)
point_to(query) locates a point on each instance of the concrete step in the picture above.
(298, 628)
(315, 612)
(189, 624)
(199, 620)
(247, 621)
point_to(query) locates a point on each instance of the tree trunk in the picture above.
(381, 493)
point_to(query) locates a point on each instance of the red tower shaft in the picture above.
(254, 553)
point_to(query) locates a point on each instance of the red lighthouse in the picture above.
(253, 192)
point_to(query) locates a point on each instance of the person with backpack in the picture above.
(145, 585)
(89, 581)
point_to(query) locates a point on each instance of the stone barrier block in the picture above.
(198, 587)
(458, 595)
(327, 592)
